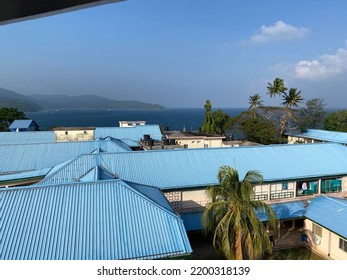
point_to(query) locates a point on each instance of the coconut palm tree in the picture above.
(255, 101)
(232, 216)
(276, 88)
(292, 98)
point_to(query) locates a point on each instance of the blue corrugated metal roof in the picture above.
(119, 142)
(27, 137)
(18, 158)
(169, 169)
(21, 124)
(323, 135)
(330, 213)
(153, 193)
(133, 133)
(131, 143)
(104, 220)
(286, 211)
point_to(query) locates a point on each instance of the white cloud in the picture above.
(280, 31)
(327, 65)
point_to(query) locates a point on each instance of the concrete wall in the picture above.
(200, 142)
(191, 200)
(74, 135)
(298, 140)
(187, 201)
(327, 245)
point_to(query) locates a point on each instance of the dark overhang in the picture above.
(18, 10)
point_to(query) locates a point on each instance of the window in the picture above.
(343, 244)
(317, 230)
(284, 186)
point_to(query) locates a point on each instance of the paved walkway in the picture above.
(288, 237)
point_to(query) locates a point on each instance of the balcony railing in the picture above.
(280, 195)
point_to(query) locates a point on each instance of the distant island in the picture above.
(35, 103)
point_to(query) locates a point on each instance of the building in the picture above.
(74, 133)
(293, 174)
(22, 164)
(103, 219)
(23, 125)
(29, 137)
(130, 135)
(183, 174)
(193, 140)
(133, 133)
(326, 226)
(131, 123)
(317, 136)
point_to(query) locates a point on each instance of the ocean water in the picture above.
(175, 119)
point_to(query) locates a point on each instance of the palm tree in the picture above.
(255, 101)
(277, 88)
(292, 98)
(232, 216)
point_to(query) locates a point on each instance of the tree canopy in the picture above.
(313, 115)
(214, 122)
(8, 115)
(276, 88)
(232, 218)
(336, 121)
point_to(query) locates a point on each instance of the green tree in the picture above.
(313, 115)
(8, 115)
(232, 216)
(214, 122)
(207, 124)
(292, 98)
(276, 88)
(336, 121)
(255, 101)
(259, 129)
(219, 121)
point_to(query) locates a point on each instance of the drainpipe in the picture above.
(329, 244)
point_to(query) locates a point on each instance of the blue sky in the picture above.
(180, 53)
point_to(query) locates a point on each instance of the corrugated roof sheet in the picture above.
(169, 169)
(20, 124)
(330, 213)
(105, 220)
(286, 211)
(29, 157)
(26, 137)
(323, 135)
(131, 143)
(119, 142)
(133, 133)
